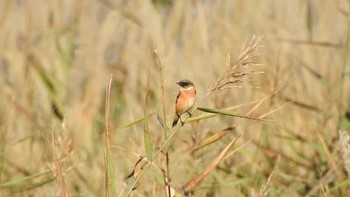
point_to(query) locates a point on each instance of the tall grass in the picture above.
(55, 60)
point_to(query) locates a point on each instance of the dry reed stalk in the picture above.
(241, 70)
(146, 134)
(109, 174)
(166, 173)
(161, 70)
(107, 111)
(57, 169)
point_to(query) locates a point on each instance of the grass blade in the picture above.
(52, 84)
(226, 113)
(212, 139)
(23, 179)
(33, 186)
(146, 134)
(148, 143)
(195, 181)
(123, 12)
(111, 190)
(136, 121)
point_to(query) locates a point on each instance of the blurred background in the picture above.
(56, 58)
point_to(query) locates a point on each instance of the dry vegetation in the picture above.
(67, 130)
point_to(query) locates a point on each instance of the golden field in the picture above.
(63, 132)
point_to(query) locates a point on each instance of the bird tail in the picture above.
(176, 119)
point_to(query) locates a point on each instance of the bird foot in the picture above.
(189, 113)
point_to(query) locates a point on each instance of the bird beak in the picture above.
(178, 83)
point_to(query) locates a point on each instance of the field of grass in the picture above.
(87, 93)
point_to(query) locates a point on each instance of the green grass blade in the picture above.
(136, 121)
(226, 113)
(147, 140)
(33, 186)
(67, 56)
(201, 117)
(53, 85)
(146, 134)
(110, 178)
(20, 180)
(50, 81)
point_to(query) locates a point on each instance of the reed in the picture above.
(66, 128)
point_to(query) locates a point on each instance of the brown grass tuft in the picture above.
(237, 73)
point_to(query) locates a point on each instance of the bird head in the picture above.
(185, 83)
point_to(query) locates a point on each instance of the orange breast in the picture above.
(185, 101)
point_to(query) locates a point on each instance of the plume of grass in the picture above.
(235, 74)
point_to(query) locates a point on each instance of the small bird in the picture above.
(184, 100)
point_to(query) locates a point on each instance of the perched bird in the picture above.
(184, 100)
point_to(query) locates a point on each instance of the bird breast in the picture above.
(186, 100)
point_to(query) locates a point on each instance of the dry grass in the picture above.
(56, 58)
(236, 74)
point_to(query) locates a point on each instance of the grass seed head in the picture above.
(235, 74)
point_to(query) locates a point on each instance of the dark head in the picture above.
(185, 83)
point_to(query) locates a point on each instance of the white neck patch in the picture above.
(189, 88)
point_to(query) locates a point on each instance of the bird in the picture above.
(184, 100)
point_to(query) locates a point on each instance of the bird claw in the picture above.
(189, 113)
(182, 123)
